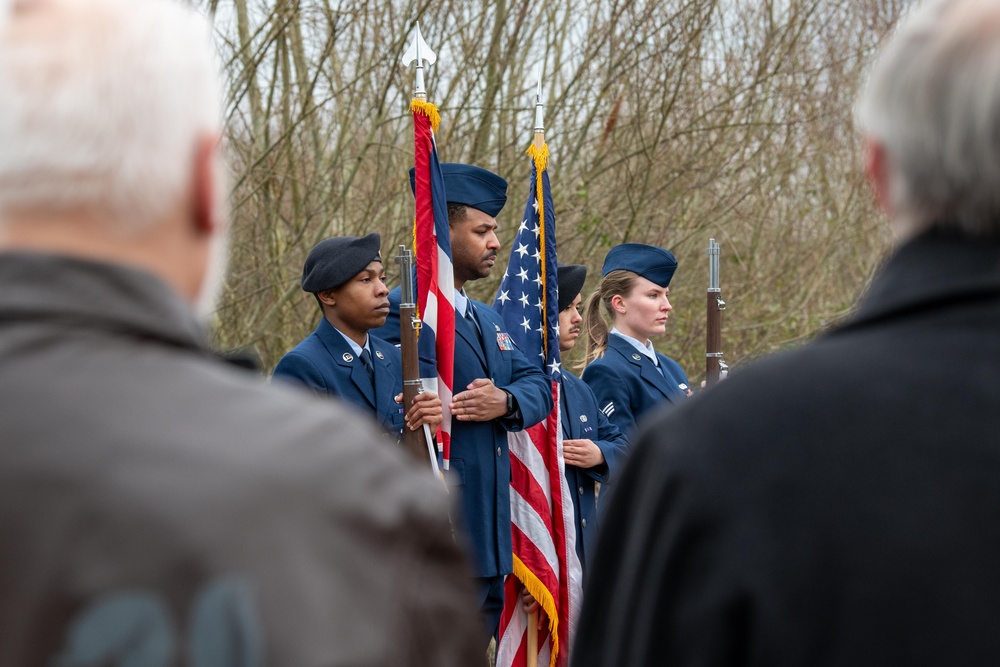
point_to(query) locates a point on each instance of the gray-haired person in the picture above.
(840, 504)
(159, 507)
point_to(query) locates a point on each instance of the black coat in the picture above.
(835, 505)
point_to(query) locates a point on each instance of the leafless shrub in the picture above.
(669, 121)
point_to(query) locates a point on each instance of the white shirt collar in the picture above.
(645, 348)
(354, 346)
(461, 302)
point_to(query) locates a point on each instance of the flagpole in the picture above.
(539, 113)
(539, 146)
(541, 480)
(533, 639)
(539, 153)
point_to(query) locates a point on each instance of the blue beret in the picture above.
(654, 264)
(335, 261)
(571, 279)
(473, 186)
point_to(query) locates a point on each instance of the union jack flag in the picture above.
(435, 279)
(542, 519)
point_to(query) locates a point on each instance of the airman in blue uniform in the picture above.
(496, 389)
(340, 358)
(593, 447)
(627, 374)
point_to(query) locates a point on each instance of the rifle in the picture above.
(714, 365)
(418, 442)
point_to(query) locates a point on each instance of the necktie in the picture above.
(469, 315)
(564, 406)
(366, 360)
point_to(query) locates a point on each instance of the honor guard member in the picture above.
(340, 358)
(593, 447)
(496, 389)
(626, 373)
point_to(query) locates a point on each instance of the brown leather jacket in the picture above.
(158, 504)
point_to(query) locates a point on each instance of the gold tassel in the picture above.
(541, 159)
(544, 598)
(428, 109)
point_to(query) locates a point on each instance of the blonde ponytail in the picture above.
(618, 282)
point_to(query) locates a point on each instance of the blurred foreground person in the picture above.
(160, 507)
(839, 504)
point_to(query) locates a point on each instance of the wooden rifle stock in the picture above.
(415, 442)
(714, 307)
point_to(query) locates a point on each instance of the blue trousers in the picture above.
(489, 595)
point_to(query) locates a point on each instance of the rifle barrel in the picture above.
(409, 325)
(714, 306)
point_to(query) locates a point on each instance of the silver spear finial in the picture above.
(420, 52)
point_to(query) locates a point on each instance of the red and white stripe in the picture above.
(544, 540)
(435, 278)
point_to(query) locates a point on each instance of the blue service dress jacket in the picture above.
(480, 460)
(627, 383)
(325, 363)
(582, 420)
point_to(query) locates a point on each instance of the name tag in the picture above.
(504, 342)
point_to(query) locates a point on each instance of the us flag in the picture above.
(542, 519)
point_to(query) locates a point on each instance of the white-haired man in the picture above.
(840, 504)
(158, 506)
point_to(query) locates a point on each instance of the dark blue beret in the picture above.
(654, 264)
(571, 278)
(473, 186)
(335, 261)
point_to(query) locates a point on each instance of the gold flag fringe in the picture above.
(544, 598)
(428, 109)
(540, 155)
